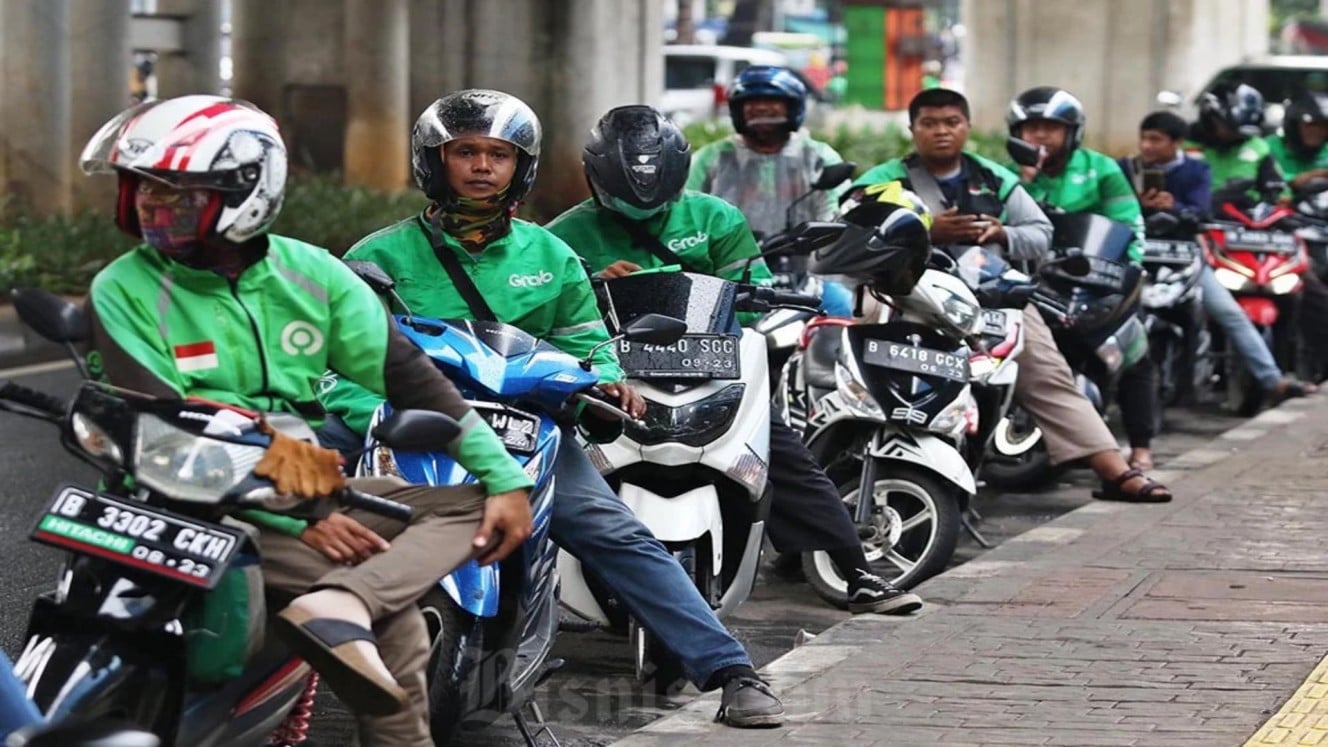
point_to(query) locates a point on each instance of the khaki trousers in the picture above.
(437, 540)
(1071, 428)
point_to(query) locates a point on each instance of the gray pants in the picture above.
(437, 540)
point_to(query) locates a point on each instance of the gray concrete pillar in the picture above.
(195, 68)
(377, 93)
(34, 103)
(258, 57)
(99, 61)
(438, 42)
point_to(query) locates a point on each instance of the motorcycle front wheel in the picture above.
(1017, 458)
(449, 627)
(911, 537)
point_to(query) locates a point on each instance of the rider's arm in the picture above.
(1194, 187)
(578, 326)
(1270, 172)
(365, 346)
(128, 350)
(1027, 228)
(1120, 203)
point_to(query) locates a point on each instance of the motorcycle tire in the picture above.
(932, 558)
(448, 627)
(1021, 465)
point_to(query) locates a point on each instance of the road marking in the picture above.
(36, 368)
(1303, 719)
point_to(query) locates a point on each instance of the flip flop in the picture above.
(1150, 492)
(328, 645)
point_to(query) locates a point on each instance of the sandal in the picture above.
(328, 645)
(1151, 491)
(1290, 389)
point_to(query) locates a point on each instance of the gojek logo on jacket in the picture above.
(543, 277)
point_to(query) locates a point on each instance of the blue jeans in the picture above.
(1222, 308)
(591, 523)
(16, 711)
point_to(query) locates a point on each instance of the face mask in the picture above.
(170, 219)
(633, 212)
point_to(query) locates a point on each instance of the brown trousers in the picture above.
(1071, 428)
(437, 540)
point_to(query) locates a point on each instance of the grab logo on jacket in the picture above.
(543, 277)
(688, 242)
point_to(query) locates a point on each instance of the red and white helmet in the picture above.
(194, 142)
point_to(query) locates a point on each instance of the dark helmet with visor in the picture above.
(767, 82)
(886, 243)
(474, 112)
(1052, 104)
(636, 161)
(1238, 105)
(1306, 107)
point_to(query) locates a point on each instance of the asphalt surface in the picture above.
(593, 700)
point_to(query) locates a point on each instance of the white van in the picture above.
(696, 78)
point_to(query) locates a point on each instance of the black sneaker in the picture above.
(871, 593)
(749, 703)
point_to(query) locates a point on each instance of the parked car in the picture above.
(697, 77)
(1277, 77)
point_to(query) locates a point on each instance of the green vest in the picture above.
(1093, 183)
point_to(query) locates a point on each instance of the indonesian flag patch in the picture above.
(196, 356)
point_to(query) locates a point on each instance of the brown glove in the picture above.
(298, 467)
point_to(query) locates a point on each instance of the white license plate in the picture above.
(913, 359)
(695, 356)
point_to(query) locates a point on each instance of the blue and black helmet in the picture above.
(1238, 105)
(1049, 103)
(768, 82)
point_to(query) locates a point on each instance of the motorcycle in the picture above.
(694, 468)
(1089, 305)
(1172, 301)
(492, 627)
(157, 618)
(1256, 253)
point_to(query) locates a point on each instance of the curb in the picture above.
(842, 641)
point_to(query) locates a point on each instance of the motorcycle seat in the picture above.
(819, 360)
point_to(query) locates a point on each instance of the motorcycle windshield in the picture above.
(1093, 235)
(706, 303)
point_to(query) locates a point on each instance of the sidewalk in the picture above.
(1188, 623)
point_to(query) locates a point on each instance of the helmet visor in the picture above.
(102, 152)
(488, 113)
(631, 211)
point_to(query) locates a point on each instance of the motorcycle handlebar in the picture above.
(42, 402)
(352, 498)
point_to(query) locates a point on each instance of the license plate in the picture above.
(1276, 242)
(915, 360)
(519, 431)
(993, 322)
(139, 536)
(1169, 252)
(692, 357)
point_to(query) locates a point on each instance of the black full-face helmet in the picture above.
(1306, 107)
(474, 112)
(1238, 105)
(1049, 103)
(886, 243)
(636, 161)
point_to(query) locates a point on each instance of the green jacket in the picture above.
(528, 278)
(1093, 183)
(1249, 159)
(263, 340)
(1291, 164)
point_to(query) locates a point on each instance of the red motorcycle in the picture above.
(1256, 254)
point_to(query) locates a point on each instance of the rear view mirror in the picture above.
(416, 430)
(51, 316)
(1023, 152)
(941, 260)
(655, 329)
(834, 175)
(379, 280)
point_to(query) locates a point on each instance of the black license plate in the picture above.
(692, 357)
(1163, 251)
(993, 323)
(139, 536)
(518, 430)
(917, 360)
(1276, 242)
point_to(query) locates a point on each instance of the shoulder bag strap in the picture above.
(460, 280)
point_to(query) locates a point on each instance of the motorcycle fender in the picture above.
(1262, 311)
(926, 451)
(681, 518)
(574, 594)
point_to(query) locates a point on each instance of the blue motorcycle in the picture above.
(492, 627)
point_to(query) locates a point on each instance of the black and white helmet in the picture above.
(636, 161)
(474, 112)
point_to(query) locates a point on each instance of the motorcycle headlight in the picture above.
(187, 467)
(1230, 279)
(695, 424)
(856, 398)
(1283, 284)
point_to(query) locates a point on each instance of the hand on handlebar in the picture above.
(619, 269)
(298, 467)
(628, 399)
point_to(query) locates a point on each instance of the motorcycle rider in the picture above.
(1298, 148)
(646, 219)
(1188, 192)
(1227, 137)
(475, 153)
(212, 305)
(1079, 180)
(770, 161)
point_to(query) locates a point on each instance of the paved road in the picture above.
(593, 701)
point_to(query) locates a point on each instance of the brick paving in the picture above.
(1189, 623)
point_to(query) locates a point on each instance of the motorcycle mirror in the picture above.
(380, 281)
(941, 260)
(655, 329)
(834, 175)
(1023, 152)
(416, 430)
(54, 318)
